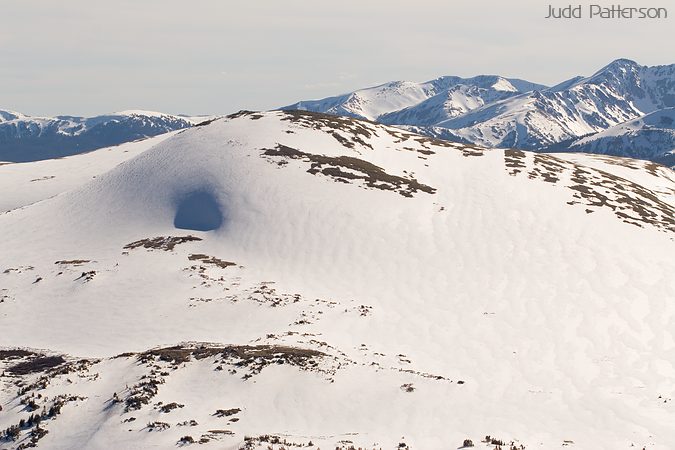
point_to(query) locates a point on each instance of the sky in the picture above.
(84, 57)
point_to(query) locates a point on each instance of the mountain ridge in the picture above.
(529, 116)
(26, 138)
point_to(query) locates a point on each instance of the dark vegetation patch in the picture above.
(20, 269)
(653, 168)
(77, 367)
(344, 168)
(501, 444)
(158, 426)
(546, 168)
(252, 442)
(422, 374)
(87, 276)
(253, 358)
(422, 151)
(226, 412)
(408, 387)
(364, 310)
(179, 354)
(187, 423)
(207, 122)
(265, 294)
(142, 392)
(253, 115)
(166, 243)
(221, 432)
(168, 407)
(346, 130)
(210, 260)
(514, 160)
(17, 353)
(48, 177)
(36, 365)
(72, 262)
(186, 440)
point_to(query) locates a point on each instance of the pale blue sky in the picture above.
(217, 56)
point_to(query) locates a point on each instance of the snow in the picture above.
(143, 113)
(513, 305)
(139, 112)
(379, 102)
(650, 137)
(28, 183)
(26, 138)
(493, 111)
(9, 115)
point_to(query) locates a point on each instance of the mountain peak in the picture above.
(619, 67)
(10, 115)
(622, 62)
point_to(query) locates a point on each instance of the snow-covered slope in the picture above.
(496, 112)
(25, 138)
(406, 102)
(275, 279)
(650, 137)
(25, 184)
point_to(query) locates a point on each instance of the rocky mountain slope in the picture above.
(291, 279)
(650, 137)
(25, 138)
(527, 116)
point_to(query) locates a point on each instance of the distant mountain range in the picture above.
(624, 109)
(25, 138)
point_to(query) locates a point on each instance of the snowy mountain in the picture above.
(292, 279)
(650, 137)
(25, 138)
(527, 116)
(619, 92)
(417, 103)
(460, 98)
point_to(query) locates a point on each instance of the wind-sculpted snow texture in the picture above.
(624, 109)
(364, 287)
